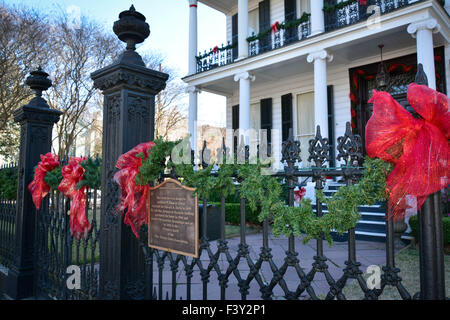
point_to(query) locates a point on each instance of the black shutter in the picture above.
(286, 115)
(235, 125)
(264, 24)
(234, 34)
(290, 13)
(266, 117)
(331, 126)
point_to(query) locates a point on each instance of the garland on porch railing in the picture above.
(263, 192)
(216, 50)
(72, 180)
(333, 7)
(278, 26)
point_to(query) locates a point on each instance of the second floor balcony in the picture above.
(336, 15)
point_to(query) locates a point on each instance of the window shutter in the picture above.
(290, 13)
(234, 34)
(286, 115)
(331, 126)
(235, 124)
(264, 24)
(266, 117)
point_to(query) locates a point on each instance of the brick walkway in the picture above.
(368, 253)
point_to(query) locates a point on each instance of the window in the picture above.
(253, 22)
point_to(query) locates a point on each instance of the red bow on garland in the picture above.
(215, 50)
(275, 27)
(38, 187)
(299, 194)
(418, 147)
(363, 2)
(134, 197)
(72, 174)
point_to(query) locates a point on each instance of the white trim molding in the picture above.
(193, 89)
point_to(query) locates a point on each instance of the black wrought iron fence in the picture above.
(219, 267)
(7, 215)
(57, 249)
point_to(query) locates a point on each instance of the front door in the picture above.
(402, 73)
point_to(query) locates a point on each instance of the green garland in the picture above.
(265, 194)
(92, 175)
(284, 25)
(8, 183)
(207, 54)
(333, 7)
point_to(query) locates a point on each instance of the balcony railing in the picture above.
(350, 12)
(336, 16)
(280, 37)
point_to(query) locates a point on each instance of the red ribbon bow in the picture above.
(215, 50)
(275, 27)
(299, 194)
(134, 197)
(38, 187)
(418, 147)
(72, 174)
(363, 2)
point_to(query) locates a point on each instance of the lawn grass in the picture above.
(232, 231)
(407, 260)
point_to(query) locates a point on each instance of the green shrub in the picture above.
(8, 184)
(233, 213)
(414, 223)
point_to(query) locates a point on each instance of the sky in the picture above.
(169, 34)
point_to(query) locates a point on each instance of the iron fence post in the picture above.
(36, 121)
(129, 90)
(431, 243)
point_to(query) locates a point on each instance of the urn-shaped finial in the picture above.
(38, 81)
(131, 28)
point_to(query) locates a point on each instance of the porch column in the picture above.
(244, 79)
(242, 29)
(423, 32)
(320, 59)
(192, 36)
(193, 115)
(317, 17)
(447, 6)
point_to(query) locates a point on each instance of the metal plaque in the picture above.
(173, 218)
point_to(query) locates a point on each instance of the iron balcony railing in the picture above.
(354, 12)
(336, 16)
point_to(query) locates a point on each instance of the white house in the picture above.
(302, 63)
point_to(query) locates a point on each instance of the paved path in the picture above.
(368, 253)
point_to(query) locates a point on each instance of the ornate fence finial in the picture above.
(38, 81)
(290, 151)
(350, 147)
(319, 149)
(421, 76)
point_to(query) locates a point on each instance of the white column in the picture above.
(242, 29)
(192, 36)
(423, 32)
(320, 59)
(244, 79)
(447, 6)
(317, 17)
(192, 117)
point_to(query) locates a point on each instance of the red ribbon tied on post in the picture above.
(418, 147)
(134, 197)
(72, 174)
(363, 2)
(215, 50)
(38, 187)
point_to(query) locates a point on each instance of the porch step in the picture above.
(371, 226)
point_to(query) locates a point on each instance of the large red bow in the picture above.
(418, 147)
(38, 187)
(72, 174)
(134, 197)
(275, 27)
